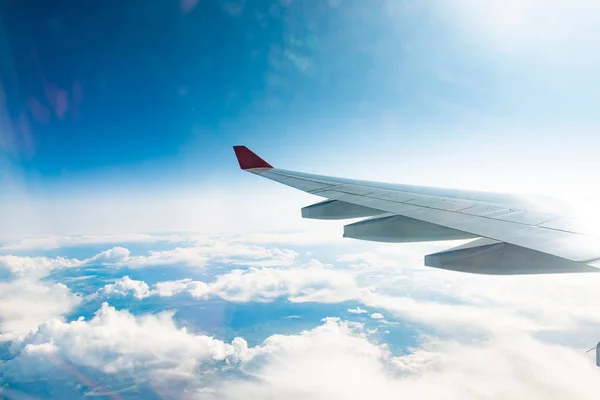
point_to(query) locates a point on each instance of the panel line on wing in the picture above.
(344, 190)
(497, 214)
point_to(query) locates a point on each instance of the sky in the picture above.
(138, 261)
(112, 103)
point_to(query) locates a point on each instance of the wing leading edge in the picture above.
(512, 234)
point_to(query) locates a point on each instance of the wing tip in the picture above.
(248, 159)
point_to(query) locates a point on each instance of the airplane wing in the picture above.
(511, 234)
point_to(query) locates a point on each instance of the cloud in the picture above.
(117, 342)
(35, 266)
(198, 252)
(38, 267)
(221, 250)
(312, 282)
(444, 299)
(357, 310)
(387, 279)
(111, 256)
(480, 343)
(455, 319)
(315, 283)
(24, 304)
(126, 285)
(337, 361)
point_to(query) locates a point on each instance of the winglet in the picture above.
(249, 160)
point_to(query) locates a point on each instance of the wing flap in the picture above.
(491, 257)
(335, 209)
(394, 228)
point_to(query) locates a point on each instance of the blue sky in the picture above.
(147, 93)
(114, 105)
(130, 110)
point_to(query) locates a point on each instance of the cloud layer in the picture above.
(336, 360)
(474, 341)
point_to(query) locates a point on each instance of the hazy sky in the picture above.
(121, 115)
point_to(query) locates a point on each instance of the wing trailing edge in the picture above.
(335, 209)
(393, 228)
(491, 257)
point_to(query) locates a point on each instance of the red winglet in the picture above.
(249, 160)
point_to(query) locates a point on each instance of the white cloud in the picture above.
(336, 361)
(333, 361)
(171, 288)
(126, 285)
(198, 253)
(357, 310)
(118, 342)
(38, 267)
(153, 347)
(468, 303)
(455, 319)
(457, 306)
(299, 284)
(24, 304)
(35, 266)
(312, 282)
(445, 299)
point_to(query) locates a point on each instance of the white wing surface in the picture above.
(512, 234)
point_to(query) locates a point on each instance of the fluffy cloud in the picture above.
(357, 310)
(435, 298)
(315, 283)
(38, 267)
(126, 285)
(444, 299)
(196, 254)
(145, 347)
(24, 304)
(335, 360)
(341, 365)
(312, 282)
(35, 266)
(481, 342)
(28, 301)
(220, 250)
